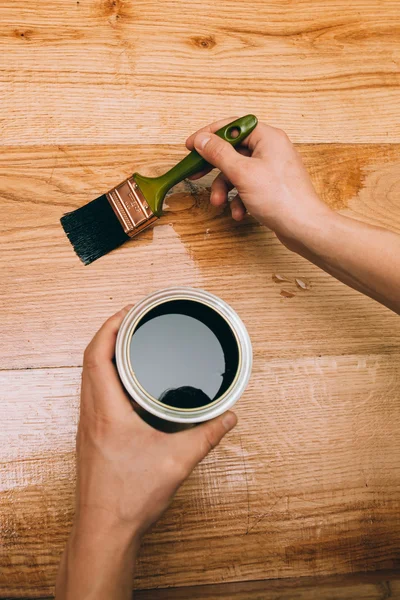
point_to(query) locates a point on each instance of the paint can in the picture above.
(183, 355)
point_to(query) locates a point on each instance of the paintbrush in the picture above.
(122, 213)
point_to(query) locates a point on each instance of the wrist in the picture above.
(96, 525)
(308, 231)
(98, 562)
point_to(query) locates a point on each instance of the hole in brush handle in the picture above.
(233, 132)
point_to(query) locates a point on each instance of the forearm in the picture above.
(365, 257)
(98, 563)
(275, 188)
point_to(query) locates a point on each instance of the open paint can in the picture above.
(183, 355)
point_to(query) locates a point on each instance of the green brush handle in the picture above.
(155, 188)
(193, 162)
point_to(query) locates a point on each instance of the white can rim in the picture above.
(176, 415)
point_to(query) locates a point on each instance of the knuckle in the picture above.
(264, 127)
(282, 135)
(114, 319)
(241, 169)
(209, 440)
(90, 358)
(216, 151)
(175, 467)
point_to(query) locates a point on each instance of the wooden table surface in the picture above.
(91, 90)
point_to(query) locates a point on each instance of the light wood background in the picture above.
(91, 90)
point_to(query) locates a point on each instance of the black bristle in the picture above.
(93, 230)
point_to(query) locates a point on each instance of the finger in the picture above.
(99, 356)
(212, 128)
(194, 444)
(101, 349)
(259, 139)
(238, 209)
(219, 153)
(220, 188)
(241, 149)
(106, 388)
(201, 173)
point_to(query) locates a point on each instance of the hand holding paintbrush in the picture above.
(136, 203)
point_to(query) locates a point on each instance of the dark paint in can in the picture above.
(184, 354)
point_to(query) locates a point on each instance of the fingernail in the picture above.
(229, 421)
(201, 140)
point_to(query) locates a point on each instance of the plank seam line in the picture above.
(377, 576)
(382, 354)
(52, 367)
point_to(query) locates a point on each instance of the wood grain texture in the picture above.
(101, 71)
(54, 304)
(375, 586)
(308, 483)
(92, 90)
(380, 585)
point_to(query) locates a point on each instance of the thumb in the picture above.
(196, 443)
(219, 153)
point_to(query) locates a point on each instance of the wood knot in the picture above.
(26, 34)
(205, 43)
(112, 8)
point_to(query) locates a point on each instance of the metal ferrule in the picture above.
(131, 207)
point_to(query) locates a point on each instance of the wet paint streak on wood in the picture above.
(43, 281)
(309, 482)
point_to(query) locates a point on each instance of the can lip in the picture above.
(138, 393)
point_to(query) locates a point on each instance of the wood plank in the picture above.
(365, 586)
(54, 304)
(114, 71)
(91, 89)
(308, 483)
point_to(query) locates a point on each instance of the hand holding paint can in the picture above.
(183, 355)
